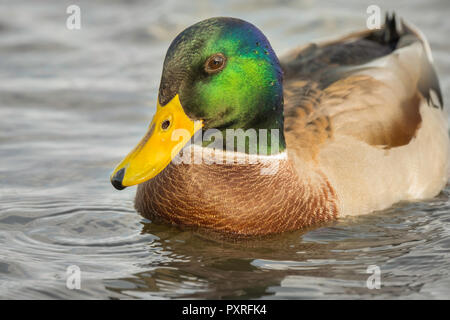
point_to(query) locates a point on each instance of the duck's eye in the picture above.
(165, 124)
(215, 63)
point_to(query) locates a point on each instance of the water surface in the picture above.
(73, 103)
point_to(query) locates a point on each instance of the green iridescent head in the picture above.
(223, 72)
(227, 75)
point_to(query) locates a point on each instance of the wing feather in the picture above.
(368, 85)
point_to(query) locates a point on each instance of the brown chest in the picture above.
(237, 198)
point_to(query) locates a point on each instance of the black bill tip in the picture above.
(117, 179)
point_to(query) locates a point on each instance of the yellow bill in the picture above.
(168, 133)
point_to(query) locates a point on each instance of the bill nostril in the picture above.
(117, 179)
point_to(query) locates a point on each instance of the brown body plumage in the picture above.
(238, 198)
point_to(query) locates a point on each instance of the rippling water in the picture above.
(73, 103)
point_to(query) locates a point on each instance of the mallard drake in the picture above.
(355, 125)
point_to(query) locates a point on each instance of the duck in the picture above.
(244, 143)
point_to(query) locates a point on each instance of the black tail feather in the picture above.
(388, 34)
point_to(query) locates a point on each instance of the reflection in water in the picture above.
(326, 262)
(72, 103)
